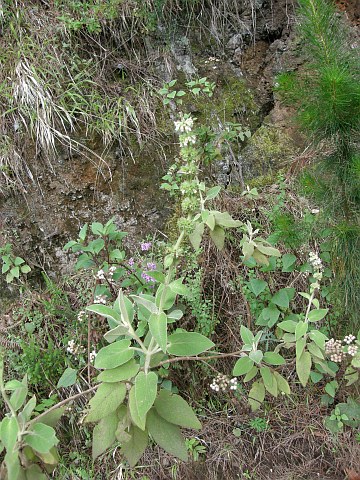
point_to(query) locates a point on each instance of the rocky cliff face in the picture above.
(241, 48)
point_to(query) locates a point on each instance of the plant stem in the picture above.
(63, 402)
(196, 358)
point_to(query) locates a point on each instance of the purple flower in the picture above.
(146, 277)
(131, 262)
(151, 266)
(145, 246)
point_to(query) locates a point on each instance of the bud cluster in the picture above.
(185, 124)
(81, 316)
(337, 350)
(224, 383)
(74, 349)
(100, 299)
(318, 268)
(334, 349)
(101, 274)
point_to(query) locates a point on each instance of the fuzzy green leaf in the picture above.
(301, 329)
(246, 335)
(218, 237)
(124, 372)
(105, 401)
(303, 367)
(196, 236)
(9, 432)
(188, 343)
(41, 438)
(213, 193)
(269, 251)
(282, 384)
(104, 311)
(316, 315)
(68, 378)
(104, 434)
(166, 435)
(158, 329)
(256, 395)
(269, 381)
(256, 355)
(242, 366)
(114, 355)
(134, 448)
(113, 334)
(287, 326)
(175, 409)
(142, 396)
(273, 358)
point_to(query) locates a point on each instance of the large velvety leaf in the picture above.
(34, 472)
(136, 446)
(123, 372)
(104, 434)
(104, 311)
(113, 334)
(25, 414)
(175, 409)
(13, 465)
(188, 343)
(196, 236)
(256, 395)
(177, 287)
(269, 381)
(142, 397)
(243, 366)
(303, 367)
(41, 438)
(158, 328)
(114, 355)
(246, 335)
(218, 237)
(67, 378)
(273, 358)
(166, 435)
(8, 432)
(105, 401)
(19, 395)
(316, 315)
(282, 384)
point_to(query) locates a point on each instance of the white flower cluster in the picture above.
(81, 316)
(92, 356)
(184, 125)
(349, 339)
(101, 274)
(186, 140)
(223, 383)
(74, 349)
(100, 299)
(317, 265)
(353, 350)
(212, 59)
(336, 350)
